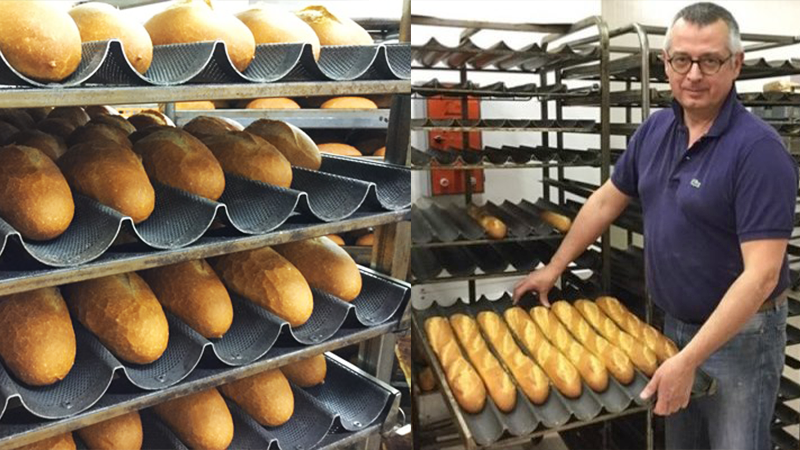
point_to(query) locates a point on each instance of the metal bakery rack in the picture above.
(100, 387)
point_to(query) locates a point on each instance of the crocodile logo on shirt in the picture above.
(695, 183)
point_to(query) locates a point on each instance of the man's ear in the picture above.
(738, 61)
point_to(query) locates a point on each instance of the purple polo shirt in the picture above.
(736, 184)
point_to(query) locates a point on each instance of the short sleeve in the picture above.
(765, 192)
(626, 171)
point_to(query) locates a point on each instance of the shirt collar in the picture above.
(723, 118)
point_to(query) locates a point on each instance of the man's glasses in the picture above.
(709, 65)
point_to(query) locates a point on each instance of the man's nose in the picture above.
(694, 74)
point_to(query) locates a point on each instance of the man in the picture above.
(717, 189)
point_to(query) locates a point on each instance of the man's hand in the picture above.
(540, 281)
(673, 382)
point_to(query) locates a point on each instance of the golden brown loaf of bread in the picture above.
(498, 383)
(380, 152)
(150, 118)
(349, 103)
(295, 144)
(463, 379)
(201, 421)
(615, 360)
(339, 149)
(194, 21)
(202, 126)
(530, 377)
(266, 278)
(641, 356)
(198, 105)
(61, 128)
(561, 372)
(193, 292)
(307, 372)
(76, 115)
(271, 24)
(325, 266)
(366, 240)
(273, 103)
(100, 22)
(559, 222)
(115, 121)
(112, 175)
(39, 41)
(99, 132)
(334, 29)
(35, 198)
(123, 313)
(19, 118)
(266, 397)
(178, 159)
(336, 239)
(248, 156)
(120, 433)
(50, 145)
(426, 380)
(494, 227)
(60, 442)
(37, 343)
(95, 111)
(592, 370)
(662, 346)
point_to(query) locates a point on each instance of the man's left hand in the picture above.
(673, 382)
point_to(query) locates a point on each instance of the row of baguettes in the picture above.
(44, 43)
(565, 345)
(126, 311)
(203, 420)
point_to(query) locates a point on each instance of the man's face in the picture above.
(696, 91)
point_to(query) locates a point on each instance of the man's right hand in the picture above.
(540, 281)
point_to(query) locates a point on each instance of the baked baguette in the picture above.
(463, 379)
(202, 126)
(325, 265)
(661, 345)
(120, 433)
(334, 29)
(308, 372)
(530, 377)
(266, 278)
(193, 292)
(496, 380)
(266, 397)
(37, 343)
(561, 372)
(201, 420)
(75, 115)
(52, 146)
(615, 360)
(60, 442)
(273, 103)
(559, 222)
(494, 227)
(249, 156)
(339, 149)
(641, 356)
(293, 142)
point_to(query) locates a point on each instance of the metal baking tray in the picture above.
(252, 335)
(105, 63)
(497, 90)
(250, 207)
(567, 125)
(518, 156)
(491, 425)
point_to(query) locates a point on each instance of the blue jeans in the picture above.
(748, 370)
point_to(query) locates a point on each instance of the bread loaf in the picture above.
(530, 377)
(426, 380)
(559, 222)
(561, 372)
(38, 114)
(248, 156)
(273, 103)
(325, 266)
(99, 132)
(339, 149)
(615, 360)
(498, 383)
(266, 397)
(271, 24)
(37, 343)
(642, 357)
(592, 370)
(123, 313)
(662, 346)
(18, 118)
(112, 175)
(120, 433)
(35, 198)
(334, 29)
(195, 21)
(100, 22)
(75, 115)
(295, 145)
(308, 372)
(40, 41)
(150, 118)
(50, 145)
(118, 122)
(367, 240)
(198, 105)
(494, 227)
(61, 128)
(467, 386)
(349, 103)
(178, 159)
(336, 239)
(201, 421)
(380, 152)
(95, 111)
(60, 442)
(193, 292)
(202, 126)
(266, 278)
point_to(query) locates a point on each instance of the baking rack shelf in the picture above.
(302, 118)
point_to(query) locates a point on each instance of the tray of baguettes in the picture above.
(514, 370)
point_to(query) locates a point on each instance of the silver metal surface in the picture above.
(302, 118)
